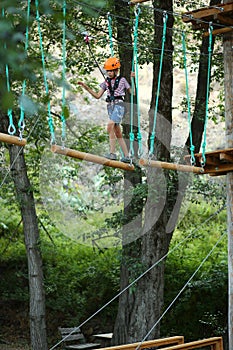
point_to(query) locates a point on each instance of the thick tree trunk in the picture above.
(228, 78)
(31, 233)
(140, 306)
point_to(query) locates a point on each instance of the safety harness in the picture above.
(111, 97)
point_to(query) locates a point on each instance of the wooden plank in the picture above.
(215, 342)
(171, 166)
(91, 158)
(221, 168)
(219, 31)
(148, 344)
(227, 20)
(13, 140)
(207, 12)
(226, 157)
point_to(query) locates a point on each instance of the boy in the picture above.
(116, 87)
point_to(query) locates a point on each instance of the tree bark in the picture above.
(228, 78)
(26, 202)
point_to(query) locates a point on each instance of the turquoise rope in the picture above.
(64, 75)
(192, 148)
(110, 34)
(203, 161)
(50, 119)
(135, 69)
(152, 138)
(131, 134)
(21, 123)
(11, 128)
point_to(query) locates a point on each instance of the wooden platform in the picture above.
(220, 15)
(218, 162)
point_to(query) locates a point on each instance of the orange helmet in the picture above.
(112, 63)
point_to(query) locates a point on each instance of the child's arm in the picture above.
(97, 95)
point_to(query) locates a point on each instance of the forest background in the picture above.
(78, 278)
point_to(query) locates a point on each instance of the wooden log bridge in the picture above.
(171, 166)
(13, 140)
(91, 158)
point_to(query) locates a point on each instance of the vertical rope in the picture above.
(152, 138)
(203, 161)
(11, 128)
(192, 148)
(64, 75)
(135, 69)
(109, 18)
(21, 123)
(50, 119)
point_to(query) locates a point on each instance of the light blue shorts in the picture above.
(116, 112)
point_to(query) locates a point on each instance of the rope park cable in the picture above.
(21, 122)
(218, 211)
(135, 65)
(50, 118)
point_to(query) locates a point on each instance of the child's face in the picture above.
(112, 73)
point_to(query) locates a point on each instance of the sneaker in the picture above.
(111, 156)
(125, 159)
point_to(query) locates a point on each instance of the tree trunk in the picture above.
(31, 234)
(141, 305)
(228, 78)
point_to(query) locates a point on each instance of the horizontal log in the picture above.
(179, 339)
(171, 166)
(13, 140)
(215, 343)
(91, 158)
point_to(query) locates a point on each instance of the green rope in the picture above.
(11, 128)
(50, 119)
(192, 148)
(152, 138)
(135, 68)
(203, 161)
(21, 123)
(110, 33)
(63, 119)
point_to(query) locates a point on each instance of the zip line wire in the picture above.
(142, 275)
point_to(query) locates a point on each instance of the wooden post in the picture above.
(13, 140)
(171, 166)
(228, 79)
(91, 158)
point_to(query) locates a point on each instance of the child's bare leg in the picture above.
(119, 136)
(112, 136)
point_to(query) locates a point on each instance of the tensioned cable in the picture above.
(21, 123)
(192, 147)
(11, 128)
(63, 119)
(50, 119)
(203, 158)
(182, 289)
(152, 137)
(150, 8)
(16, 157)
(142, 275)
